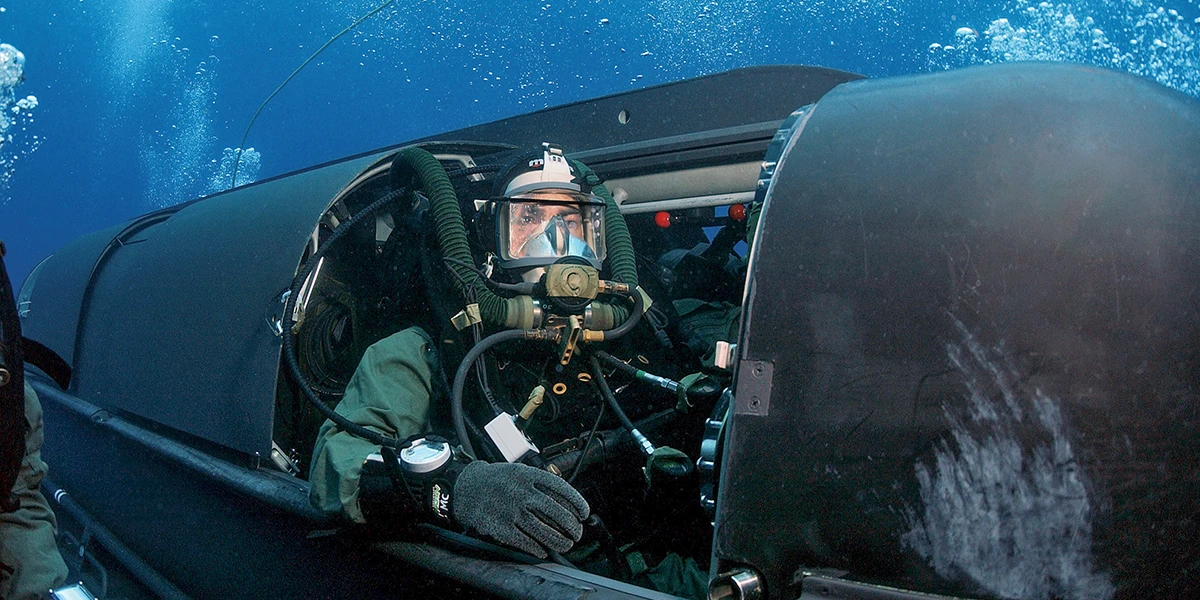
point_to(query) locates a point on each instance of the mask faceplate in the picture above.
(538, 228)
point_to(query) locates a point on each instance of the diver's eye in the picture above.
(574, 220)
(528, 215)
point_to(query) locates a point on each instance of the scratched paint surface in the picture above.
(1008, 516)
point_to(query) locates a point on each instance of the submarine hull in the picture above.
(970, 355)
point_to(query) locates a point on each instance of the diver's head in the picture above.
(544, 212)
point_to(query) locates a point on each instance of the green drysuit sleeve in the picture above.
(389, 392)
(27, 534)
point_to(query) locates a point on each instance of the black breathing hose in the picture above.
(289, 342)
(668, 385)
(617, 363)
(460, 377)
(582, 457)
(605, 391)
(608, 395)
(606, 441)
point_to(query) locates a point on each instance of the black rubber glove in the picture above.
(519, 506)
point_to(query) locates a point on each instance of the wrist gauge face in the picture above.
(425, 456)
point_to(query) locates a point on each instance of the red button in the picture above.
(737, 212)
(662, 219)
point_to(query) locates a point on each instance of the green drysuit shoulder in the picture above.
(389, 392)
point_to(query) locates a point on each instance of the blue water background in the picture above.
(138, 99)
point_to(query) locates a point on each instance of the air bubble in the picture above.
(1150, 41)
(15, 114)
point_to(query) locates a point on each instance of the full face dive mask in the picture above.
(545, 215)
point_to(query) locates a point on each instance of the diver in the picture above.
(30, 564)
(544, 216)
(488, 468)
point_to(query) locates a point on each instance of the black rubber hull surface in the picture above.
(237, 546)
(971, 350)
